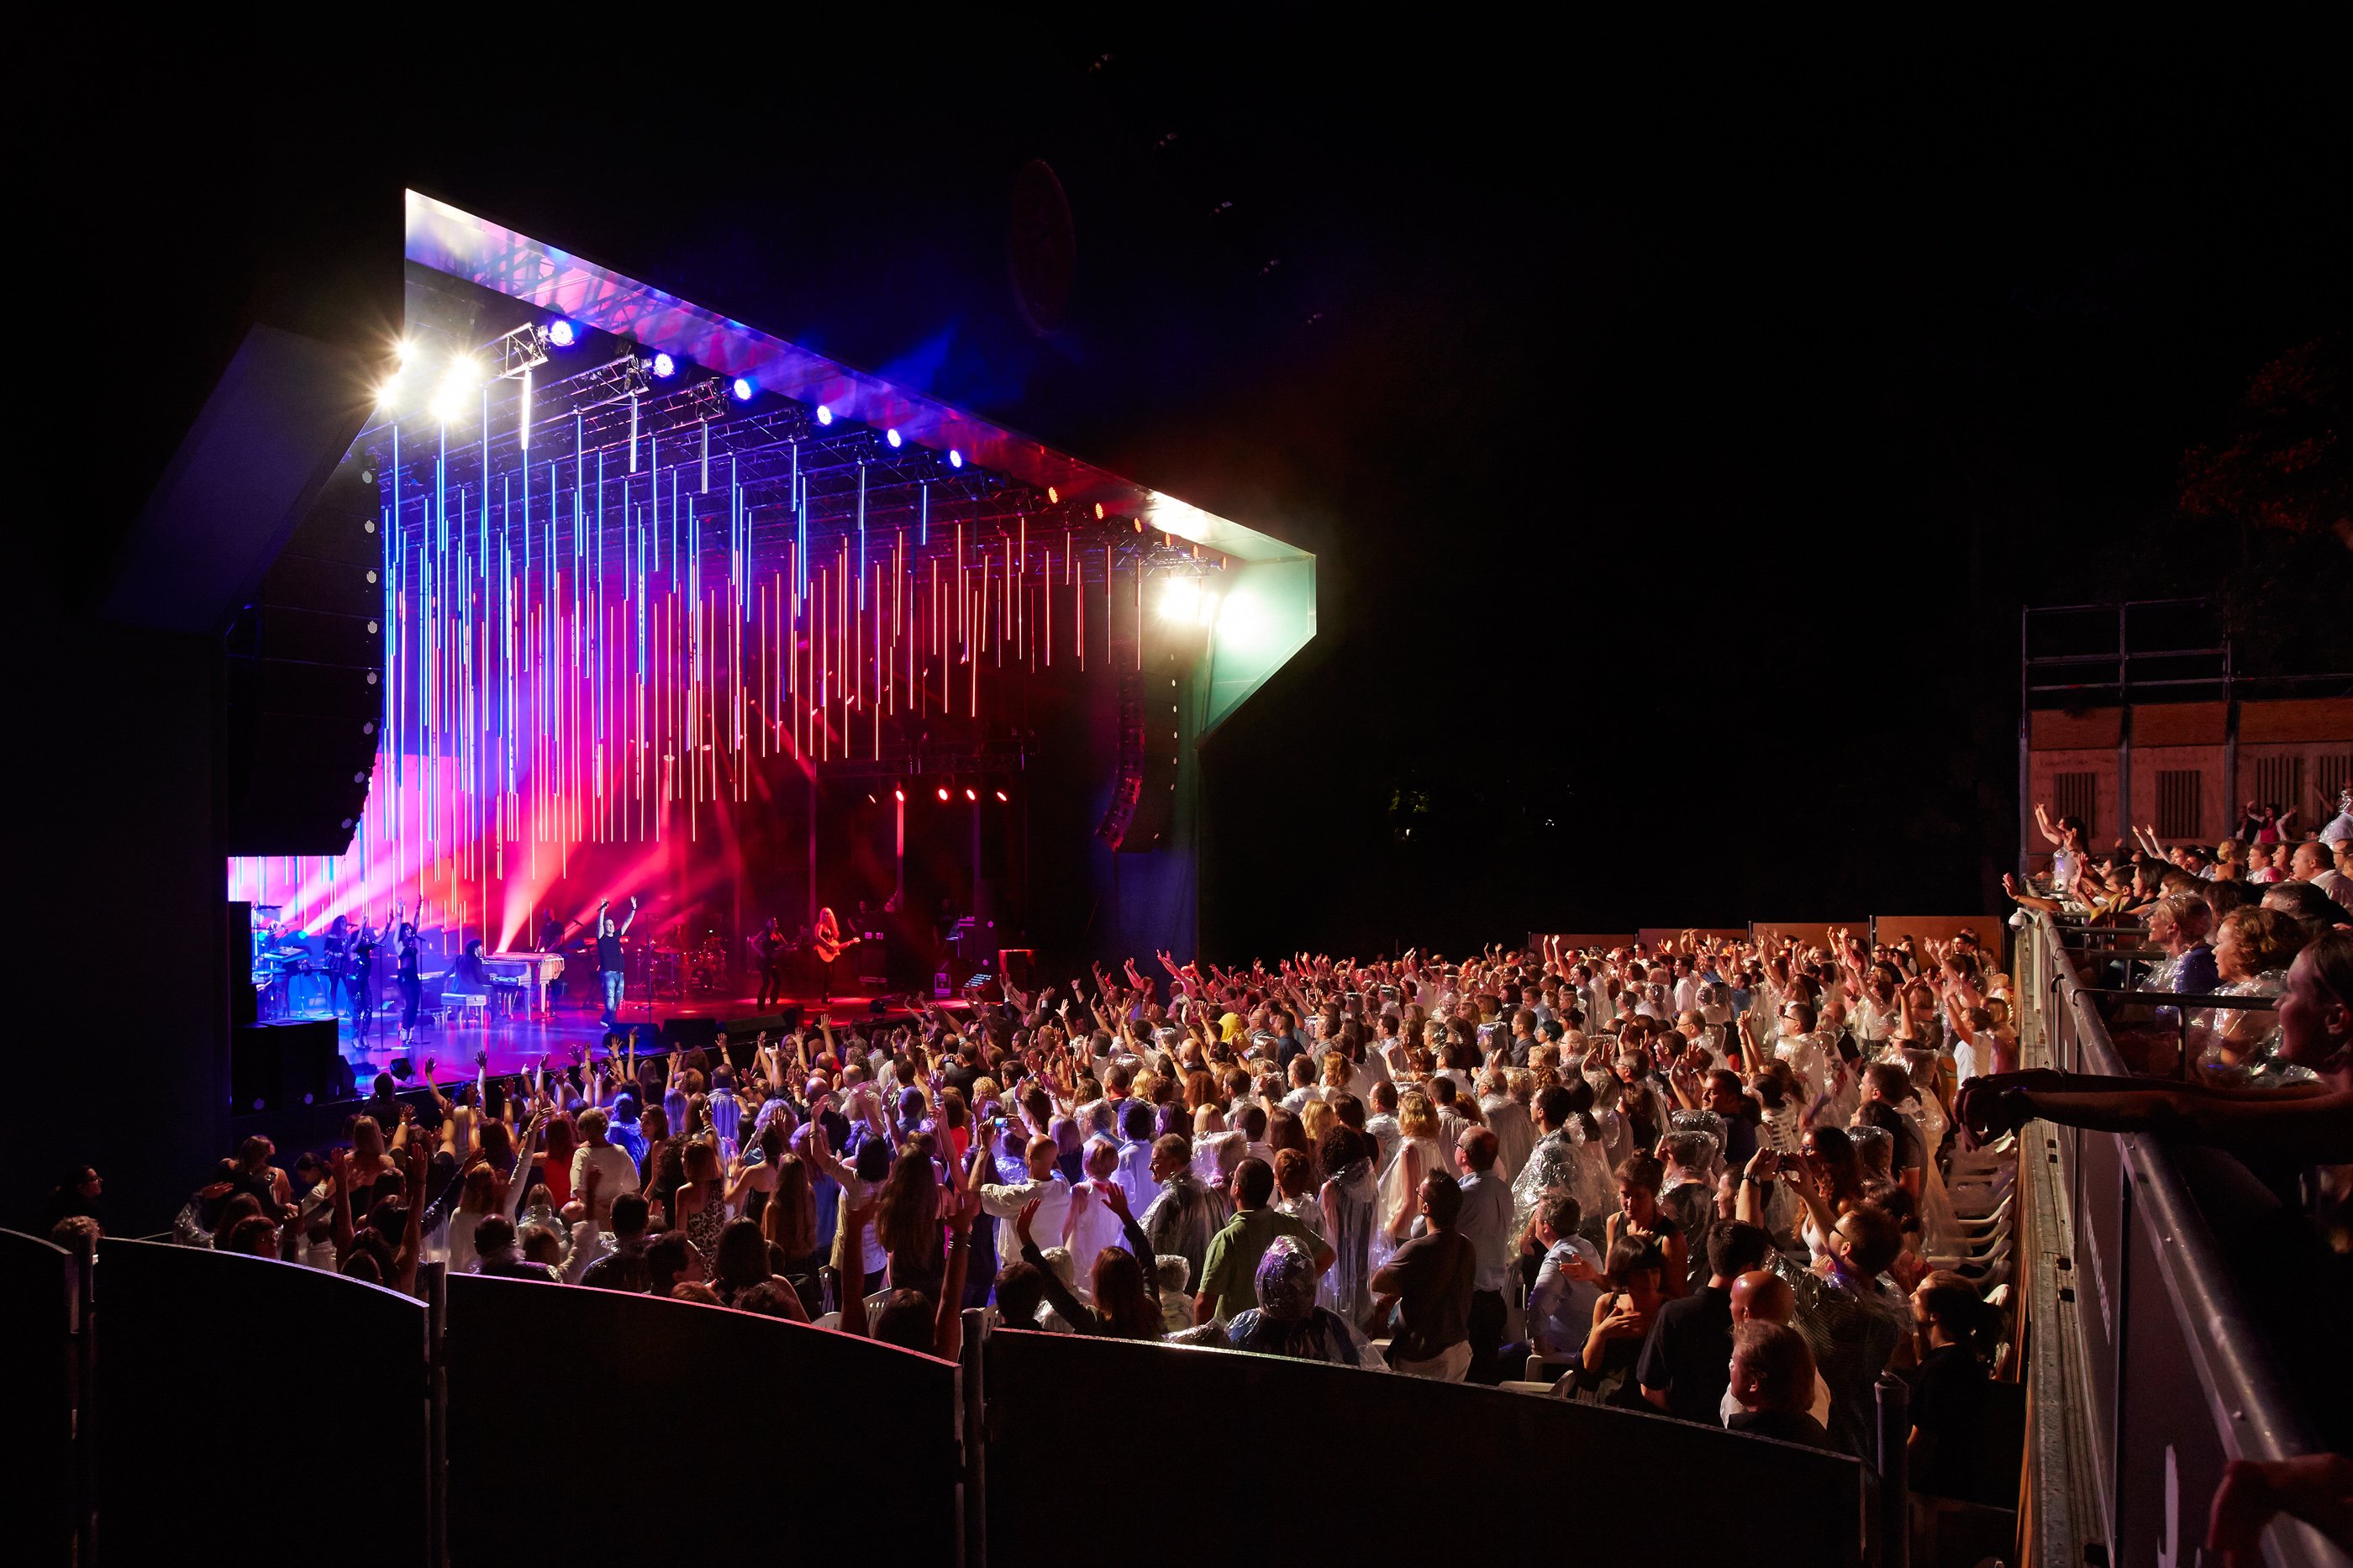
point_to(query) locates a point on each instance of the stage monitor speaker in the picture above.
(690, 1034)
(244, 1004)
(306, 679)
(750, 1025)
(276, 1065)
(253, 1068)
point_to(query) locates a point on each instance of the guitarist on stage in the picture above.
(828, 945)
(769, 950)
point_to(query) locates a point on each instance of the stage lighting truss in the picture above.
(516, 353)
(799, 483)
(709, 400)
(615, 381)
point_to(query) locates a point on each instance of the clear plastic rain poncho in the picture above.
(1287, 1322)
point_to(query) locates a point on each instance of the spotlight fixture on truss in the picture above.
(709, 400)
(615, 381)
(521, 350)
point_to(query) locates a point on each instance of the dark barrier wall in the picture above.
(36, 1313)
(1518, 1453)
(204, 1359)
(645, 1411)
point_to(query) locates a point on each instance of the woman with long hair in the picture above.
(556, 1161)
(477, 1201)
(699, 1207)
(788, 1224)
(1638, 1216)
(907, 1223)
(1830, 1163)
(1418, 1155)
(1126, 1294)
(1347, 1198)
(370, 1165)
(748, 1194)
(739, 1264)
(1622, 1315)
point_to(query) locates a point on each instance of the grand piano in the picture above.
(523, 977)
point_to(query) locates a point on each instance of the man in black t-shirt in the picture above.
(1686, 1360)
(1432, 1278)
(609, 956)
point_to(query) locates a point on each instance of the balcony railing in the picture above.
(2145, 1375)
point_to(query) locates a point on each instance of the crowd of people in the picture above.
(1712, 1180)
(2228, 923)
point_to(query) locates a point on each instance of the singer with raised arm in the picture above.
(609, 955)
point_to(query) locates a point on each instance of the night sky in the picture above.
(1678, 445)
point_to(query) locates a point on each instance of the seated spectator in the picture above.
(1285, 1319)
(1623, 1316)
(1568, 1280)
(1772, 1376)
(625, 1266)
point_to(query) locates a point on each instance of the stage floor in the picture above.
(518, 1044)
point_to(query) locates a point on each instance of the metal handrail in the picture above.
(2254, 1413)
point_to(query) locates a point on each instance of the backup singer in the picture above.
(359, 974)
(338, 949)
(769, 947)
(409, 976)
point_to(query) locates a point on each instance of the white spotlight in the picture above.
(1180, 600)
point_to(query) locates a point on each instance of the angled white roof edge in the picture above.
(451, 241)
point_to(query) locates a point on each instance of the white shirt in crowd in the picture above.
(1053, 1196)
(620, 1174)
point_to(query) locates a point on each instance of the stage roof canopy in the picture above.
(1269, 600)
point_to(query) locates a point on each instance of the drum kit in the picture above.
(288, 981)
(675, 974)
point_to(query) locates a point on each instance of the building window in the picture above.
(2332, 772)
(2177, 813)
(2075, 794)
(2279, 783)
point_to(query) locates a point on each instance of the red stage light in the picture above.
(1002, 796)
(968, 794)
(943, 792)
(898, 795)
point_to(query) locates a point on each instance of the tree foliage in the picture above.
(2289, 463)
